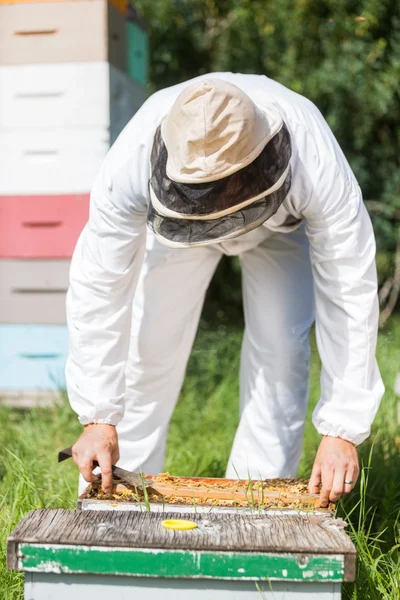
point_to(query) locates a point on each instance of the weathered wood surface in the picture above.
(266, 533)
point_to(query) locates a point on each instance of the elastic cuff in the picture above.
(84, 420)
(100, 422)
(325, 429)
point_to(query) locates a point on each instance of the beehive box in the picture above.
(266, 539)
(52, 162)
(86, 554)
(77, 96)
(33, 291)
(61, 34)
(32, 358)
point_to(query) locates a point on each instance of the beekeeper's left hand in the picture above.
(336, 468)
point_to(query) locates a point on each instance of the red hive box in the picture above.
(41, 226)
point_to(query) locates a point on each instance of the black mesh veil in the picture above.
(187, 232)
(271, 168)
(207, 198)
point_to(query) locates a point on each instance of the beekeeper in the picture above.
(239, 165)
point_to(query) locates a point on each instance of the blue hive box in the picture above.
(33, 357)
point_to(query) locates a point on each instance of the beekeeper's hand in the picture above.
(336, 468)
(97, 442)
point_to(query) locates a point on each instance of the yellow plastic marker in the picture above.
(179, 524)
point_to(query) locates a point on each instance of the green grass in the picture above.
(199, 443)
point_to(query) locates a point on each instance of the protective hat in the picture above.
(220, 166)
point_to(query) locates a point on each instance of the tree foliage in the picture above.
(342, 54)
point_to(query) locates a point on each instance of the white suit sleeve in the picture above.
(104, 270)
(342, 248)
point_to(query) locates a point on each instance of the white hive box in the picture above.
(55, 32)
(57, 123)
(68, 95)
(51, 162)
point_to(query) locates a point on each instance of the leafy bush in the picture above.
(343, 55)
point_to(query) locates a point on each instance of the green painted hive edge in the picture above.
(137, 40)
(183, 564)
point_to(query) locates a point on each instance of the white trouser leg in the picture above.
(279, 311)
(166, 311)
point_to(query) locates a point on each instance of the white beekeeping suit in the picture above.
(305, 242)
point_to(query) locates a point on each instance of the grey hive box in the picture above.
(95, 554)
(33, 291)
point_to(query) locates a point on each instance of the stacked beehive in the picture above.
(72, 74)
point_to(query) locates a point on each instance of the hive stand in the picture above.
(127, 554)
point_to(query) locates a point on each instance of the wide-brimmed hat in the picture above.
(220, 166)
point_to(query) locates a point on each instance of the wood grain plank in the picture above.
(245, 533)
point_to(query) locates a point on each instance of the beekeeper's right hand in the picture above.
(97, 442)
